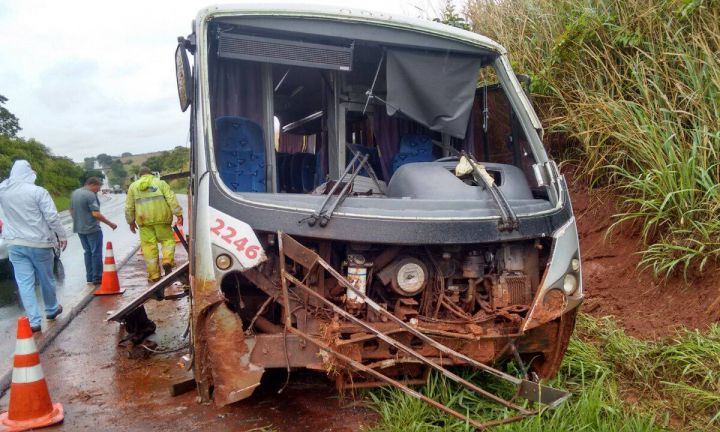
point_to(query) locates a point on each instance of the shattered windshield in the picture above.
(362, 119)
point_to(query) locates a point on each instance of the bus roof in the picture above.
(351, 15)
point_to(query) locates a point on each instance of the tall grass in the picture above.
(619, 384)
(62, 202)
(636, 83)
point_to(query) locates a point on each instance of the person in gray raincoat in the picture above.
(31, 228)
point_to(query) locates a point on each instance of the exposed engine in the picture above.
(454, 283)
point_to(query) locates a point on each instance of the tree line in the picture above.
(58, 174)
(121, 172)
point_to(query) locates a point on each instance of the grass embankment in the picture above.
(62, 202)
(179, 186)
(618, 383)
(636, 84)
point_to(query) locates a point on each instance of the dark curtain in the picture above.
(236, 89)
(290, 143)
(435, 89)
(475, 130)
(321, 151)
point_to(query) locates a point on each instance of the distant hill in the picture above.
(120, 170)
(138, 159)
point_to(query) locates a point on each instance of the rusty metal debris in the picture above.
(298, 254)
(156, 291)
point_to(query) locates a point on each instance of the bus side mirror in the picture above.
(183, 74)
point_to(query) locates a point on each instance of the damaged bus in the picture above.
(370, 197)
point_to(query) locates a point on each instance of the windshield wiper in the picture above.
(322, 214)
(325, 217)
(508, 219)
(371, 172)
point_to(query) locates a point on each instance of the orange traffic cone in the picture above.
(182, 233)
(110, 282)
(30, 404)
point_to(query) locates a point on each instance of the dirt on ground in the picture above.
(646, 306)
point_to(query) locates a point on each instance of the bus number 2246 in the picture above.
(228, 234)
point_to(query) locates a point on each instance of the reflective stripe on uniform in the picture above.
(25, 346)
(25, 375)
(150, 198)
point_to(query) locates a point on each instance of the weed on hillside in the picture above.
(619, 383)
(636, 84)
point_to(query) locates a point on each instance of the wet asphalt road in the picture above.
(102, 389)
(71, 284)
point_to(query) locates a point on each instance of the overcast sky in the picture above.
(89, 77)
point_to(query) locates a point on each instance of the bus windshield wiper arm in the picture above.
(321, 214)
(508, 219)
(325, 217)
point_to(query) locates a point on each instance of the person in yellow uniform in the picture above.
(150, 206)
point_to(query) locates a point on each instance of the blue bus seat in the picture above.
(413, 148)
(281, 159)
(302, 172)
(241, 154)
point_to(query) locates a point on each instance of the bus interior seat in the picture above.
(302, 172)
(413, 148)
(281, 159)
(241, 155)
(296, 172)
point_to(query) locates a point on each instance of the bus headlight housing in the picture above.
(570, 283)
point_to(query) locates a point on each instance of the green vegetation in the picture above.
(636, 85)
(117, 175)
(179, 185)
(91, 173)
(120, 170)
(62, 202)
(172, 161)
(618, 383)
(59, 175)
(116, 172)
(450, 16)
(138, 159)
(167, 162)
(9, 124)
